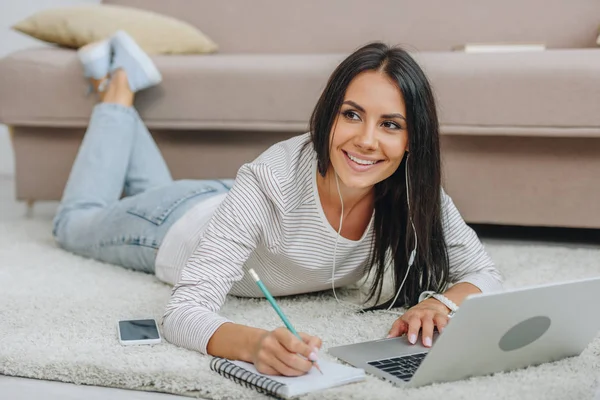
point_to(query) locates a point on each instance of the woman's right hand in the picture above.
(280, 352)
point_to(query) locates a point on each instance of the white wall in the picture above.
(12, 11)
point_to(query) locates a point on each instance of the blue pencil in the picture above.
(273, 303)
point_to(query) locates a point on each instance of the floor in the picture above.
(30, 389)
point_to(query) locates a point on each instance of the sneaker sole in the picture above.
(94, 53)
(136, 51)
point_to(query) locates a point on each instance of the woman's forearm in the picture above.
(459, 292)
(234, 341)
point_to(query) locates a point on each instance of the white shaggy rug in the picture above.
(58, 314)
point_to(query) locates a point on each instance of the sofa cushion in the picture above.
(317, 26)
(521, 93)
(552, 89)
(77, 26)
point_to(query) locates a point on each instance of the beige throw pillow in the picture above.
(79, 25)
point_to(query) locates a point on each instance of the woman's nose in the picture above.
(367, 139)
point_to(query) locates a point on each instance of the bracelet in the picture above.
(426, 295)
(442, 299)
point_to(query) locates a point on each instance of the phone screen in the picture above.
(139, 329)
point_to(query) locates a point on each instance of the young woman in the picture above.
(360, 192)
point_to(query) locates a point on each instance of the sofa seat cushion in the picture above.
(477, 93)
(551, 90)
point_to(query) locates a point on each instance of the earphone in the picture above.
(413, 254)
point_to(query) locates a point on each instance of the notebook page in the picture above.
(334, 374)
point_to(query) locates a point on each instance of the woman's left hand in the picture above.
(424, 316)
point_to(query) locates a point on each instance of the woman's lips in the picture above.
(359, 167)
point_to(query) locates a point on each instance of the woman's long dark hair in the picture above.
(393, 229)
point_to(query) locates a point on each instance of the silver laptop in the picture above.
(490, 333)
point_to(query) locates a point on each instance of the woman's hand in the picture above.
(424, 316)
(279, 353)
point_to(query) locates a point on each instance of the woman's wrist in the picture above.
(235, 341)
(431, 302)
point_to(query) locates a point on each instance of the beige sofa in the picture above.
(521, 131)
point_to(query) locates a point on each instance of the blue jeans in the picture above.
(119, 156)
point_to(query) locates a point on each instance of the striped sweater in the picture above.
(272, 221)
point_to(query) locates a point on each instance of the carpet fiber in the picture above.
(58, 315)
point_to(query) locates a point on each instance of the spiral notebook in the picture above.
(244, 373)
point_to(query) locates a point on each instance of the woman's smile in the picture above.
(360, 163)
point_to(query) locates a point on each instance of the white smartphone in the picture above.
(138, 331)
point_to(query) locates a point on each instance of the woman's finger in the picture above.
(440, 321)
(264, 368)
(427, 330)
(291, 343)
(399, 328)
(283, 368)
(288, 363)
(313, 342)
(414, 325)
(266, 360)
(298, 364)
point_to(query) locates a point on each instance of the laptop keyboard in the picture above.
(401, 367)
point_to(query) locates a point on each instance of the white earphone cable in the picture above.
(353, 306)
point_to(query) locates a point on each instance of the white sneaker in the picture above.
(95, 58)
(128, 55)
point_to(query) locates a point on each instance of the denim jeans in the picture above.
(117, 157)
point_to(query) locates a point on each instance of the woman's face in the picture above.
(369, 135)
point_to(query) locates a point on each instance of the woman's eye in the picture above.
(351, 115)
(391, 125)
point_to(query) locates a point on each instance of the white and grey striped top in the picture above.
(272, 221)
